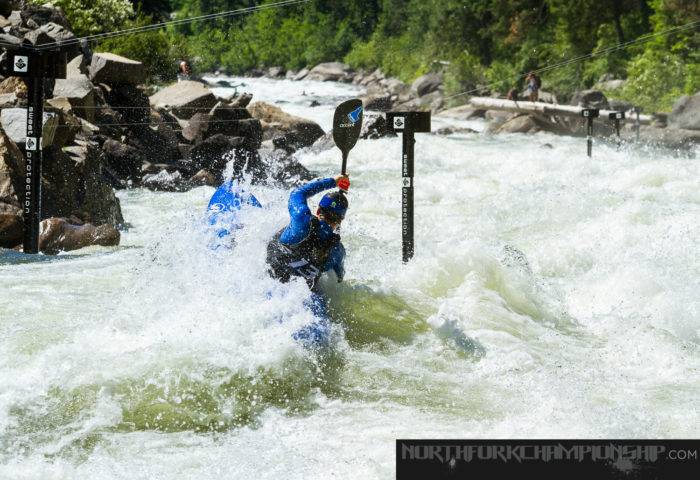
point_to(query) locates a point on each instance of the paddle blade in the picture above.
(347, 123)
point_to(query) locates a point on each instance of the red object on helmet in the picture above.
(344, 184)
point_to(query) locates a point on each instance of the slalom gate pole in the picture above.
(589, 114)
(637, 123)
(35, 66)
(407, 123)
(616, 117)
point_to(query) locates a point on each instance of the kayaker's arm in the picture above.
(336, 261)
(299, 212)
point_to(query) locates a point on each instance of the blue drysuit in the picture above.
(300, 225)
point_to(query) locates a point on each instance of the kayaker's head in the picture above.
(332, 208)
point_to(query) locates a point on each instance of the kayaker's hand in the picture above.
(343, 182)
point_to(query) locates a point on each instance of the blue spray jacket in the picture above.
(300, 223)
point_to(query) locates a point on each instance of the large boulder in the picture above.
(74, 185)
(114, 70)
(276, 122)
(60, 234)
(377, 100)
(184, 99)
(14, 123)
(80, 94)
(34, 16)
(331, 71)
(11, 225)
(686, 113)
(590, 99)
(426, 84)
(530, 123)
(215, 152)
(123, 160)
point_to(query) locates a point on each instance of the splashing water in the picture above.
(551, 295)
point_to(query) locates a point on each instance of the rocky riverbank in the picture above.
(105, 130)
(678, 129)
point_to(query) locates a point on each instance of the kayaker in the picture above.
(309, 245)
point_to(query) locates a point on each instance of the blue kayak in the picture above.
(224, 216)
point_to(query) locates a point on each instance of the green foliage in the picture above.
(488, 44)
(93, 16)
(158, 50)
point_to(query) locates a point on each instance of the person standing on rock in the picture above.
(184, 71)
(533, 86)
(309, 245)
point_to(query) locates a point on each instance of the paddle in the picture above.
(347, 123)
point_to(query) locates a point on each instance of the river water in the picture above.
(551, 295)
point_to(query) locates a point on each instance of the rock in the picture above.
(301, 75)
(590, 99)
(14, 123)
(275, 72)
(11, 225)
(6, 7)
(204, 177)
(8, 100)
(52, 33)
(329, 72)
(674, 138)
(308, 131)
(394, 86)
(80, 93)
(380, 101)
(15, 18)
(35, 16)
(546, 97)
(210, 153)
(374, 126)
(197, 127)
(14, 85)
(58, 234)
(686, 113)
(524, 123)
(426, 84)
(165, 181)
(123, 160)
(11, 171)
(73, 184)
(462, 112)
(290, 75)
(610, 85)
(241, 101)
(115, 70)
(8, 39)
(324, 143)
(184, 99)
(222, 115)
(620, 106)
(130, 101)
(78, 67)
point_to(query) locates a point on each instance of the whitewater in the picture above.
(552, 295)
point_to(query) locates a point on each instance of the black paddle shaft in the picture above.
(347, 124)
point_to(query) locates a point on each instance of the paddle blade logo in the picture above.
(354, 116)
